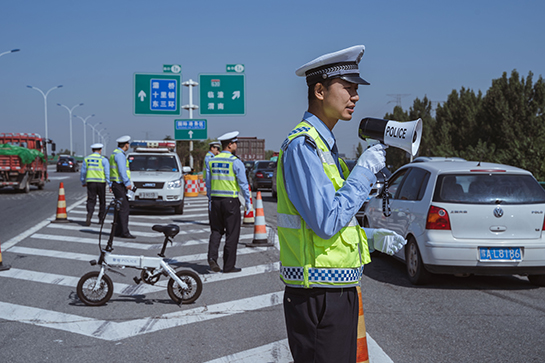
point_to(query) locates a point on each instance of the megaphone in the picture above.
(403, 135)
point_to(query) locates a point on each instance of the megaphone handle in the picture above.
(386, 210)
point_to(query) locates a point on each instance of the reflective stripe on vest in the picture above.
(306, 259)
(222, 176)
(94, 169)
(114, 173)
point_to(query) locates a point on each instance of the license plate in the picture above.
(148, 195)
(64, 164)
(270, 175)
(500, 254)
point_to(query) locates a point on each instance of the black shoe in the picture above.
(214, 265)
(88, 220)
(234, 269)
(128, 235)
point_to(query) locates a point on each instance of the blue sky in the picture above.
(93, 48)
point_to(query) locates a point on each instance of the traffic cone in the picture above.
(362, 355)
(260, 229)
(61, 217)
(249, 214)
(2, 266)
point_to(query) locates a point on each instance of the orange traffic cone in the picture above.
(260, 229)
(61, 217)
(2, 266)
(362, 355)
(249, 214)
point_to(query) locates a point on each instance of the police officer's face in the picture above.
(339, 99)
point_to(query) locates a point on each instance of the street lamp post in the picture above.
(70, 113)
(45, 105)
(10, 51)
(94, 127)
(84, 120)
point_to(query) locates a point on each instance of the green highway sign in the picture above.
(238, 68)
(222, 94)
(172, 68)
(157, 94)
(190, 129)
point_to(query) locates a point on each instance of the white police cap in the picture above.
(342, 64)
(230, 136)
(123, 139)
(97, 146)
(214, 143)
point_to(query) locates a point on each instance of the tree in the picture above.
(359, 150)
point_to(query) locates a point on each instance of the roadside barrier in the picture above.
(2, 266)
(362, 355)
(191, 185)
(202, 185)
(61, 216)
(260, 228)
(249, 214)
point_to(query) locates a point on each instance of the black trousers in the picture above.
(322, 324)
(95, 189)
(120, 192)
(224, 219)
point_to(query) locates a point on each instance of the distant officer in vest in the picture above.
(213, 150)
(120, 176)
(225, 179)
(95, 173)
(322, 247)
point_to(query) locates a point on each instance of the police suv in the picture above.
(158, 175)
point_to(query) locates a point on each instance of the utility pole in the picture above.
(397, 97)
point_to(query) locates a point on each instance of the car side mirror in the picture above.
(186, 169)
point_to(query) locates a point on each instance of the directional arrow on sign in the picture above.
(190, 134)
(236, 95)
(142, 95)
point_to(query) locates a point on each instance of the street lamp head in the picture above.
(29, 86)
(81, 104)
(15, 50)
(59, 86)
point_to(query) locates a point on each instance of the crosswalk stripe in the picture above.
(277, 352)
(131, 223)
(137, 216)
(136, 233)
(114, 331)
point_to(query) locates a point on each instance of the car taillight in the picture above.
(543, 227)
(259, 174)
(437, 219)
(70, 162)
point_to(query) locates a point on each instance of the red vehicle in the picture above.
(23, 161)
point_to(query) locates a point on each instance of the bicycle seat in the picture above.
(170, 230)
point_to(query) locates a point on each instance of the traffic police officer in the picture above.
(225, 176)
(322, 247)
(95, 173)
(213, 150)
(120, 176)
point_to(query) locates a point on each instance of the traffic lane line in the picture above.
(114, 331)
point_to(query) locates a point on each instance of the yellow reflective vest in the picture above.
(94, 169)
(223, 182)
(114, 172)
(308, 260)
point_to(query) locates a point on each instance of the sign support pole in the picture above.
(190, 107)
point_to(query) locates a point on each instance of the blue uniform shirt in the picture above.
(240, 172)
(325, 210)
(121, 160)
(105, 165)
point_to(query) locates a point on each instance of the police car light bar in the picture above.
(152, 144)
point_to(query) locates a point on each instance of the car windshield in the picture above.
(166, 163)
(488, 189)
(266, 165)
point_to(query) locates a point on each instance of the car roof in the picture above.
(461, 166)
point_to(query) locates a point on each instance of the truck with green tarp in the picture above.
(23, 161)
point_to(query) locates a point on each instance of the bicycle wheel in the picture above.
(188, 295)
(96, 297)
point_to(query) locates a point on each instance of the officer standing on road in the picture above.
(225, 173)
(322, 247)
(213, 150)
(120, 175)
(95, 173)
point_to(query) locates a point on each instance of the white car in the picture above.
(158, 176)
(465, 217)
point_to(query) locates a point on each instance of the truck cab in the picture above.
(158, 175)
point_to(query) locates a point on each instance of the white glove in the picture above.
(386, 241)
(373, 158)
(248, 207)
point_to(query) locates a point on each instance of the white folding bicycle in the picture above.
(96, 288)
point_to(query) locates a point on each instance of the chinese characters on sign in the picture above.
(163, 95)
(191, 124)
(190, 129)
(157, 94)
(222, 94)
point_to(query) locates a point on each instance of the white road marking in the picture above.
(277, 352)
(114, 331)
(154, 234)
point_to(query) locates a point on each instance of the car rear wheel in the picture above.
(538, 280)
(418, 275)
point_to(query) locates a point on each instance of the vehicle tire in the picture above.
(41, 185)
(100, 296)
(185, 296)
(418, 275)
(26, 187)
(537, 280)
(179, 209)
